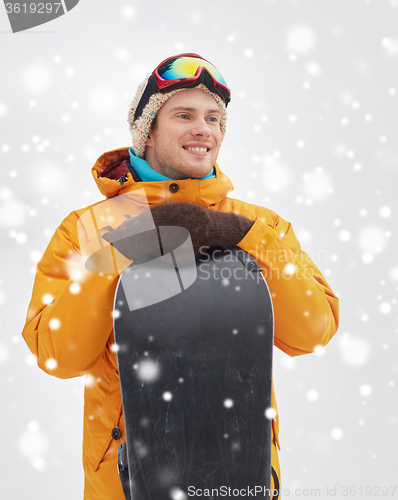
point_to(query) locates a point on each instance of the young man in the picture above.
(177, 121)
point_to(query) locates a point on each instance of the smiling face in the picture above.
(187, 137)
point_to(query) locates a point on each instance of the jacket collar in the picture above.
(113, 177)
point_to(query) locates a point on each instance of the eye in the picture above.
(213, 119)
(184, 116)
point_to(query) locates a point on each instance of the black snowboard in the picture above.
(195, 372)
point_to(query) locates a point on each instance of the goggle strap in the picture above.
(212, 84)
(151, 88)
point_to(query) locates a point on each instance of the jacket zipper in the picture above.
(124, 178)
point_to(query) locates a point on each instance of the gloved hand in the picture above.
(207, 228)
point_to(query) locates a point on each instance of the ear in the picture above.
(149, 141)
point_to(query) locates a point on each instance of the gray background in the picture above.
(312, 134)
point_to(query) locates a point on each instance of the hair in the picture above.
(154, 123)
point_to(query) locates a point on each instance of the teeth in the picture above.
(199, 150)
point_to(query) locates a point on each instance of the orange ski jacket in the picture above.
(69, 326)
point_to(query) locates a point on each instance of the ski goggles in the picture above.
(184, 71)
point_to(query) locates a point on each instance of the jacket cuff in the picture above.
(260, 234)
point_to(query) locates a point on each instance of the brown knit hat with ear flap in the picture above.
(141, 127)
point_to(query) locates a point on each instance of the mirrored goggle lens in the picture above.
(186, 67)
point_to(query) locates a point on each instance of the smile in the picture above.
(196, 149)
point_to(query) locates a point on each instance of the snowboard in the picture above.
(195, 371)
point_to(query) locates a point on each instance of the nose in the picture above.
(200, 127)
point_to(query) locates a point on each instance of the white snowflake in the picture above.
(148, 370)
(301, 39)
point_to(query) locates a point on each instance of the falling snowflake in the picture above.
(385, 308)
(122, 54)
(385, 212)
(365, 390)
(140, 448)
(12, 213)
(319, 350)
(354, 350)
(148, 370)
(167, 396)
(177, 494)
(372, 239)
(74, 288)
(32, 443)
(128, 12)
(390, 46)
(313, 68)
(54, 324)
(270, 413)
(337, 433)
(51, 364)
(3, 109)
(276, 176)
(344, 235)
(115, 348)
(318, 185)
(89, 381)
(289, 270)
(37, 78)
(301, 39)
(312, 395)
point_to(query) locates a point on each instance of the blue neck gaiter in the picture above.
(148, 174)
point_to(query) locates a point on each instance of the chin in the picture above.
(197, 173)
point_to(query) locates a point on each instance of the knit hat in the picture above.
(141, 127)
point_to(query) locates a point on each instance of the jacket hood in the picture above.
(113, 177)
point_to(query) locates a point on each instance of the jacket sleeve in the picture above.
(69, 318)
(305, 308)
